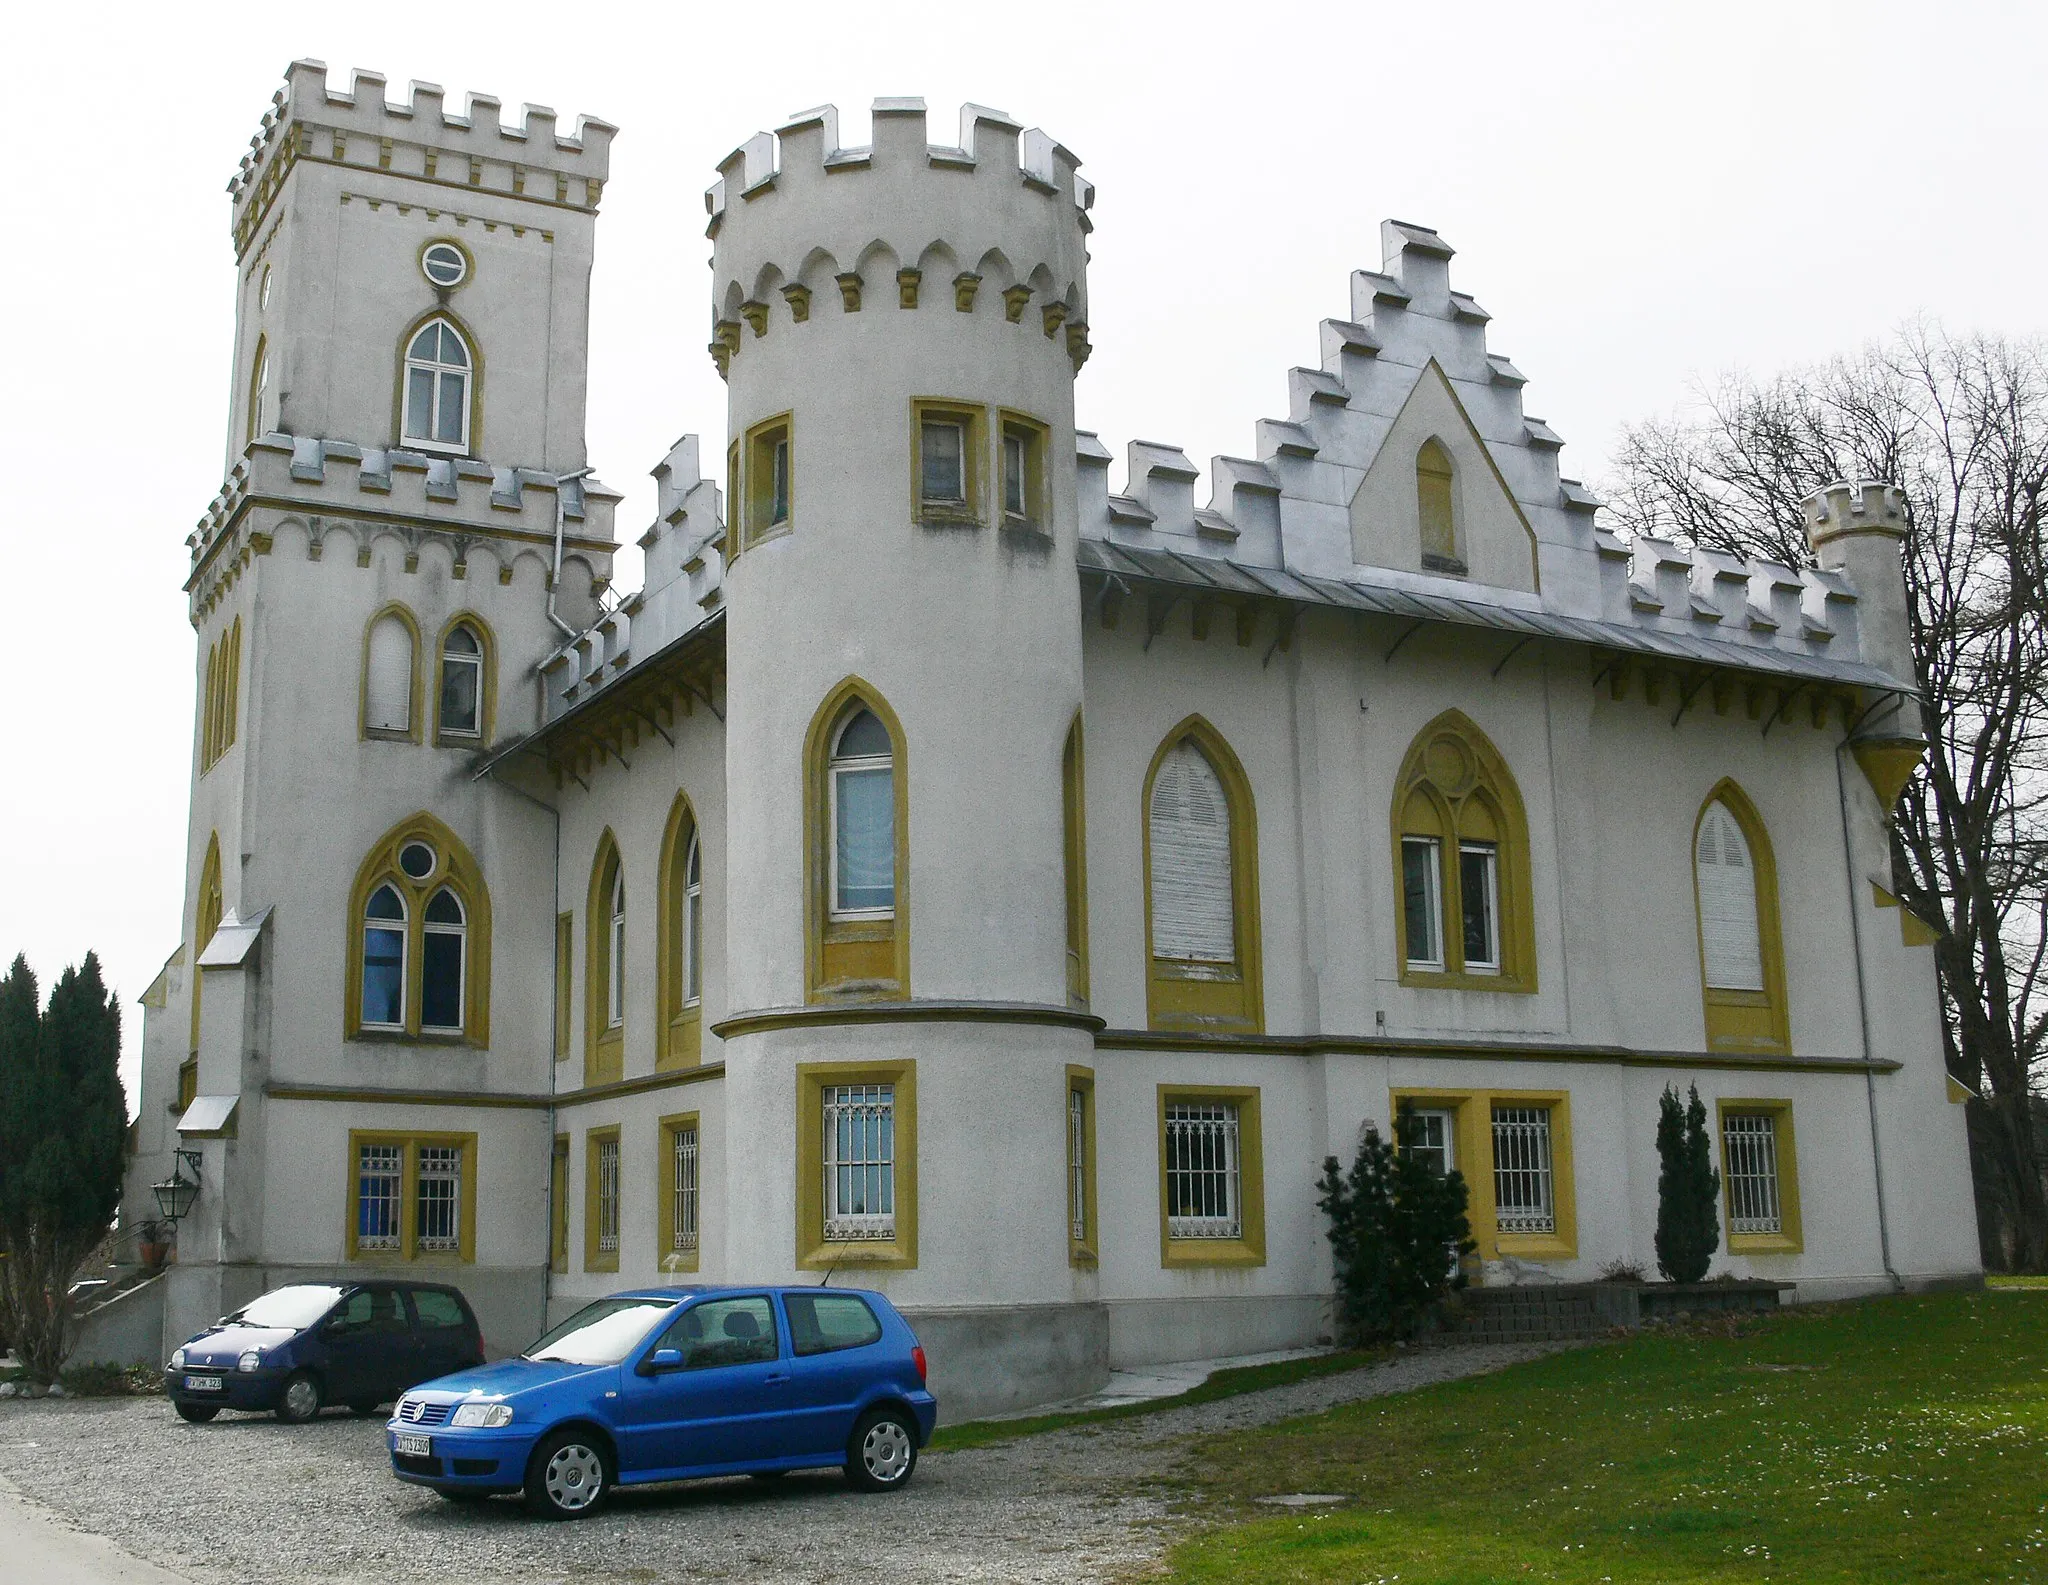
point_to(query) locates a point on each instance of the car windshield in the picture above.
(290, 1309)
(602, 1333)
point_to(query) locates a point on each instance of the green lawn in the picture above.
(1895, 1440)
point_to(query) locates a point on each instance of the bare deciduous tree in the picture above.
(1961, 423)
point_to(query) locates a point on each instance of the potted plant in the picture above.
(153, 1243)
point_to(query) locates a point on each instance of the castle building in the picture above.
(967, 867)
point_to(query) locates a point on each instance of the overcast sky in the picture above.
(1642, 196)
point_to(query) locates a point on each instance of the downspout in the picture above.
(1884, 1235)
(547, 1266)
(555, 576)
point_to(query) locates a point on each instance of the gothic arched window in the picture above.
(390, 673)
(679, 927)
(438, 377)
(1742, 957)
(604, 977)
(1202, 887)
(856, 849)
(419, 940)
(1436, 502)
(461, 694)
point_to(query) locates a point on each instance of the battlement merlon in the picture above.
(784, 199)
(419, 138)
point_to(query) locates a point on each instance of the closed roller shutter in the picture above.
(1728, 923)
(388, 689)
(1191, 901)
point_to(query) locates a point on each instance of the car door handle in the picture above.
(776, 1381)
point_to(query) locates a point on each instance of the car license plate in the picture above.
(415, 1444)
(202, 1384)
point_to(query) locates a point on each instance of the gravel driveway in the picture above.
(248, 1500)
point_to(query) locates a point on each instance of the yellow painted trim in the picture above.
(558, 1205)
(408, 1252)
(417, 708)
(734, 500)
(1249, 1249)
(668, 1260)
(595, 1259)
(456, 868)
(206, 911)
(1190, 997)
(1491, 783)
(1758, 1021)
(1074, 834)
(644, 1084)
(1888, 764)
(1915, 931)
(849, 959)
(419, 260)
(1035, 434)
(678, 1028)
(760, 480)
(188, 1084)
(1792, 1239)
(252, 396)
(565, 934)
(1080, 1251)
(473, 441)
(813, 1253)
(973, 513)
(1472, 1112)
(1436, 492)
(603, 1046)
(232, 707)
(1959, 1093)
(487, 700)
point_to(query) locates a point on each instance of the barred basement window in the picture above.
(860, 1162)
(380, 1179)
(1522, 1188)
(683, 1207)
(1203, 1198)
(608, 1195)
(439, 1199)
(1750, 1140)
(1077, 1163)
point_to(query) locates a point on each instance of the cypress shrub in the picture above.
(1688, 1189)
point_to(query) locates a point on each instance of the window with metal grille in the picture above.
(860, 1161)
(440, 1199)
(380, 1187)
(1522, 1196)
(1077, 1163)
(607, 1195)
(683, 1212)
(1750, 1142)
(1202, 1191)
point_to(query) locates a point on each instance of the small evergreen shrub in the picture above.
(1688, 1189)
(1397, 1233)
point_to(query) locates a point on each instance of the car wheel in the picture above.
(882, 1451)
(197, 1413)
(300, 1400)
(569, 1476)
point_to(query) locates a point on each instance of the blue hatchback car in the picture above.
(664, 1384)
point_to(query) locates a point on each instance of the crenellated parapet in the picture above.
(993, 226)
(473, 150)
(328, 483)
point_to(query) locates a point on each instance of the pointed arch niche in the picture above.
(1204, 968)
(1741, 945)
(856, 943)
(1465, 919)
(419, 939)
(604, 970)
(206, 912)
(679, 942)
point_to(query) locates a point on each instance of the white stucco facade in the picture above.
(1396, 606)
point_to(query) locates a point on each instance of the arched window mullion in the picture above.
(438, 379)
(386, 955)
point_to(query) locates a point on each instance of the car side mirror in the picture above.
(662, 1359)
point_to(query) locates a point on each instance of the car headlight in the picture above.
(489, 1416)
(178, 1360)
(252, 1359)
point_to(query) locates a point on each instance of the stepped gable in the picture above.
(1410, 342)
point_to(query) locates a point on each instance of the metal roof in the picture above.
(1215, 576)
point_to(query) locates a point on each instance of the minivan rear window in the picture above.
(824, 1323)
(438, 1309)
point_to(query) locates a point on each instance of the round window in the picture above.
(417, 860)
(444, 264)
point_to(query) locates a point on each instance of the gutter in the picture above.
(555, 577)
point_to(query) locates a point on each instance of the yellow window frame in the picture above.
(669, 1260)
(759, 481)
(1036, 517)
(1086, 1250)
(558, 1205)
(1472, 1127)
(595, 1259)
(1790, 1239)
(813, 1251)
(1249, 1247)
(678, 1024)
(972, 510)
(409, 1252)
